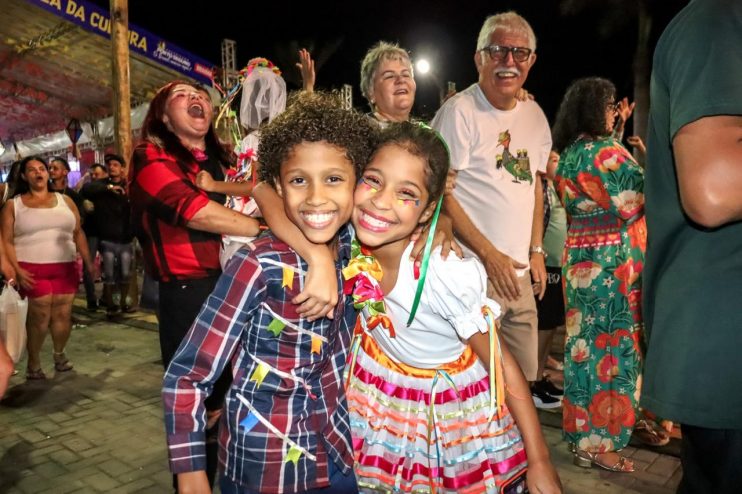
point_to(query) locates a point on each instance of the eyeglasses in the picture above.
(499, 53)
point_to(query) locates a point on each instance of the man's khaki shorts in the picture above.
(518, 326)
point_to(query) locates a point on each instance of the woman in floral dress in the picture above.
(601, 187)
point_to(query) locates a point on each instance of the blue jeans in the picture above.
(115, 255)
(86, 280)
(339, 484)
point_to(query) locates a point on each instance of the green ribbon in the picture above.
(426, 259)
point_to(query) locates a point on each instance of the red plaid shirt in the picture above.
(164, 198)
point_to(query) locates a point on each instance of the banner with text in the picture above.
(97, 20)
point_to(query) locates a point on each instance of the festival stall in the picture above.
(55, 77)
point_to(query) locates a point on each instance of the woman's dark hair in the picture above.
(424, 142)
(21, 184)
(314, 117)
(12, 179)
(155, 131)
(582, 111)
(61, 160)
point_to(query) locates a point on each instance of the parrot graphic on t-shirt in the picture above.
(519, 166)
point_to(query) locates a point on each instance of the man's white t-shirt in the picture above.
(497, 154)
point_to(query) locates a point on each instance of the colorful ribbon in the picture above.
(496, 371)
(426, 260)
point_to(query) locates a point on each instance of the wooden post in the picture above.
(122, 102)
(120, 81)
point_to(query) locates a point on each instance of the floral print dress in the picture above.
(601, 187)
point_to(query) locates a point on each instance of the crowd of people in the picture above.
(366, 303)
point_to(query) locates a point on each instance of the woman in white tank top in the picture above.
(41, 235)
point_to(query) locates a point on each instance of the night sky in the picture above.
(339, 33)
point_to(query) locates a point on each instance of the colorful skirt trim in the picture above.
(427, 430)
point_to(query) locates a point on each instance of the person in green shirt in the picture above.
(693, 271)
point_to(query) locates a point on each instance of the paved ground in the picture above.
(99, 427)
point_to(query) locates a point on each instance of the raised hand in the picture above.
(625, 109)
(306, 67)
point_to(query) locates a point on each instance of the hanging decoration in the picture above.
(74, 132)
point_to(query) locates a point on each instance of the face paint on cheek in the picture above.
(367, 186)
(408, 202)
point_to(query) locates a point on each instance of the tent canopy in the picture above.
(55, 65)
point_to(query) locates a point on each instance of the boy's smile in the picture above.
(316, 184)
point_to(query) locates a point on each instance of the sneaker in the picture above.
(549, 387)
(544, 400)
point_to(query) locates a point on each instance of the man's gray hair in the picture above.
(374, 56)
(508, 22)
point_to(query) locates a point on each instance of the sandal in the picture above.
(61, 362)
(35, 375)
(645, 432)
(586, 459)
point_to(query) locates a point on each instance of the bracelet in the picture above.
(537, 249)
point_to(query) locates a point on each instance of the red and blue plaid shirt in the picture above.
(164, 198)
(301, 396)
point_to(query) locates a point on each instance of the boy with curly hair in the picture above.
(285, 426)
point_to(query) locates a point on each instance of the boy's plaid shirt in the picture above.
(302, 394)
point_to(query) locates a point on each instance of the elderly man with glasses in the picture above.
(499, 147)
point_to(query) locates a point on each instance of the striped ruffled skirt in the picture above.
(404, 444)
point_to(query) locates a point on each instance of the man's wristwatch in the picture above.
(537, 249)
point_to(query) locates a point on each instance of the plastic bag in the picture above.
(13, 311)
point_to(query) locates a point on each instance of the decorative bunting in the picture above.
(249, 422)
(293, 455)
(288, 277)
(316, 345)
(276, 326)
(259, 373)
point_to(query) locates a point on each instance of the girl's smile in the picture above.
(391, 198)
